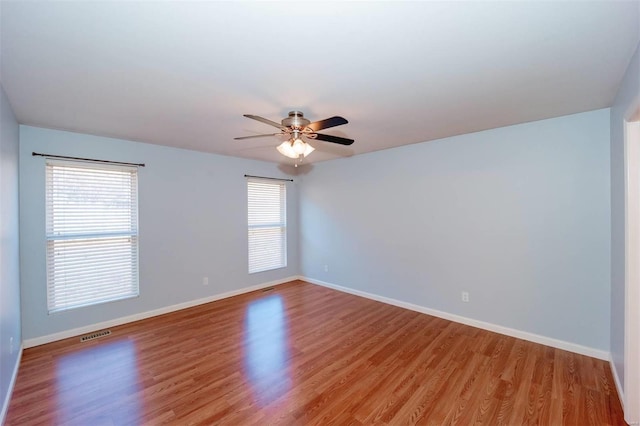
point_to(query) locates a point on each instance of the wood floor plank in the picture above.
(301, 354)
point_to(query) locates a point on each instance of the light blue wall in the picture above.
(193, 223)
(628, 95)
(517, 216)
(9, 249)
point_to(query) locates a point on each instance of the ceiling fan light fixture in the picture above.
(295, 148)
(286, 149)
(299, 147)
(308, 150)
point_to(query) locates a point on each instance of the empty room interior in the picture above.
(313, 213)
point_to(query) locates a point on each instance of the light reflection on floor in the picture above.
(93, 380)
(266, 349)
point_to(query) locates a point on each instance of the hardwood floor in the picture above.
(301, 354)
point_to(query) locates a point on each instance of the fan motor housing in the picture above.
(295, 120)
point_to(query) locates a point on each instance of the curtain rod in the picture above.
(270, 178)
(87, 159)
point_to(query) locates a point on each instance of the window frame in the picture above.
(59, 237)
(255, 262)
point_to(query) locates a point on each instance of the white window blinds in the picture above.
(267, 224)
(92, 233)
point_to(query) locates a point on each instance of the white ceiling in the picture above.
(183, 73)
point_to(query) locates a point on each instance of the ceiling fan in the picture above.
(297, 128)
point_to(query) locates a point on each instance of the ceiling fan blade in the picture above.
(256, 136)
(326, 123)
(265, 121)
(334, 139)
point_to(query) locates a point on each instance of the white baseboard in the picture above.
(37, 341)
(14, 376)
(616, 380)
(532, 337)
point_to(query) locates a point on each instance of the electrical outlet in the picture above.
(11, 345)
(326, 268)
(465, 296)
(205, 281)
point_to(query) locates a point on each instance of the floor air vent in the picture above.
(267, 289)
(95, 335)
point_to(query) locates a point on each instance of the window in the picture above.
(267, 202)
(92, 234)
